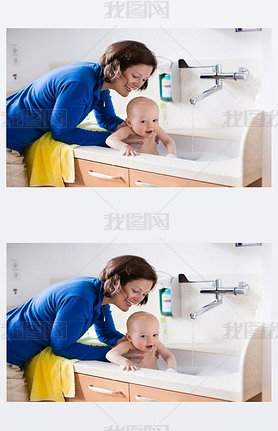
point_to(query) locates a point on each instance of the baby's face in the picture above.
(144, 120)
(144, 335)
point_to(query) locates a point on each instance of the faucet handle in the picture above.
(242, 288)
(241, 74)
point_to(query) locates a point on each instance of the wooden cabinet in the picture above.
(149, 179)
(146, 393)
(94, 174)
(89, 388)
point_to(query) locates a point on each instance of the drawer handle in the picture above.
(103, 176)
(140, 184)
(103, 391)
(139, 398)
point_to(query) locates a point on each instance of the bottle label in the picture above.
(166, 303)
(166, 87)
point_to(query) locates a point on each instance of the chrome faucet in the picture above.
(217, 290)
(216, 74)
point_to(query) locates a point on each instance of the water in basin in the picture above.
(201, 156)
(205, 364)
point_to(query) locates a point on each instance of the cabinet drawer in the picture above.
(145, 393)
(93, 174)
(89, 388)
(149, 179)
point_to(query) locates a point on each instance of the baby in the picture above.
(143, 335)
(142, 120)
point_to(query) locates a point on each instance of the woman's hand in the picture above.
(120, 125)
(135, 140)
(121, 340)
(135, 356)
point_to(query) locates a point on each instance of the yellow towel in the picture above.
(49, 162)
(50, 377)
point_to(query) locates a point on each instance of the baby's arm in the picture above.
(168, 357)
(115, 355)
(167, 141)
(116, 141)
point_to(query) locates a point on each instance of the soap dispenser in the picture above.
(169, 82)
(169, 296)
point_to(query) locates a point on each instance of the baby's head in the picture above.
(143, 331)
(143, 116)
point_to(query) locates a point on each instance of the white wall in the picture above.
(41, 48)
(41, 264)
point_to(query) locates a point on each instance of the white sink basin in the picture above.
(203, 364)
(203, 149)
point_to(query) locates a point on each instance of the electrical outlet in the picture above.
(14, 54)
(14, 49)
(14, 269)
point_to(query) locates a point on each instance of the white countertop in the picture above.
(226, 387)
(224, 172)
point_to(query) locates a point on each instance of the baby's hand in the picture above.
(171, 370)
(171, 156)
(127, 150)
(128, 365)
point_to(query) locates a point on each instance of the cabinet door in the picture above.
(150, 179)
(89, 388)
(145, 393)
(93, 174)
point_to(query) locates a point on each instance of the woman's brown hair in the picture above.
(123, 269)
(121, 55)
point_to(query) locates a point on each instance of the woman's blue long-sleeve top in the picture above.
(58, 102)
(58, 316)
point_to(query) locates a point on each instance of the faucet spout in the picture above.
(218, 76)
(206, 93)
(207, 307)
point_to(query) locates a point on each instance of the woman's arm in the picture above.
(105, 327)
(105, 113)
(71, 107)
(167, 141)
(71, 322)
(168, 357)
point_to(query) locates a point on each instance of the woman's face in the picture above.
(131, 294)
(131, 79)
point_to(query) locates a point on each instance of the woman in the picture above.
(59, 315)
(61, 99)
